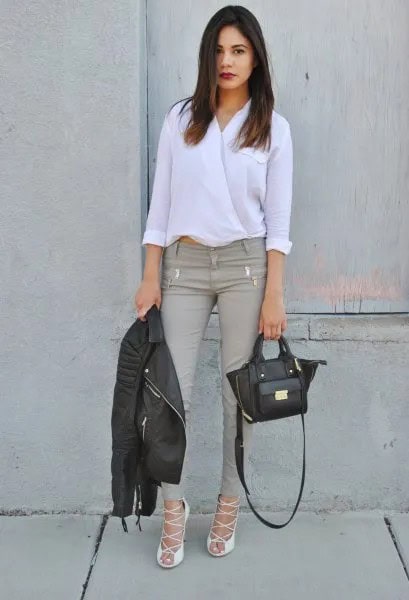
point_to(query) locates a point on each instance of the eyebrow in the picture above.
(234, 45)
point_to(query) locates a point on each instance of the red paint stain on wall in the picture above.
(346, 288)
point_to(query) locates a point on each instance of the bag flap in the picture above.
(292, 384)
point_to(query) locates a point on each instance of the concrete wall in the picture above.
(79, 128)
(73, 181)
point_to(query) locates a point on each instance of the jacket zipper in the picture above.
(166, 400)
(152, 390)
(143, 427)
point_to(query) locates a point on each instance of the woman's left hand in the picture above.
(273, 319)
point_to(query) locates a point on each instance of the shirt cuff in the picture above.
(283, 246)
(154, 237)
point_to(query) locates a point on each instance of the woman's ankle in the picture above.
(173, 503)
(229, 496)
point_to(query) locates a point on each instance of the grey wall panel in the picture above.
(341, 81)
(70, 233)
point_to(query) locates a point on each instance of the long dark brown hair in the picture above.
(256, 130)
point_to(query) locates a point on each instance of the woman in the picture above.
(219, 218)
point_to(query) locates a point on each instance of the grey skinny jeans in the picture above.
(194, 278)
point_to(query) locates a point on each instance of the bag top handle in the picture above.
(258, 347)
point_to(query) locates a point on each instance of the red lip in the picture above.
(227, 75)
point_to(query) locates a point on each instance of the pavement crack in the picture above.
(396, 544)
(94, 556)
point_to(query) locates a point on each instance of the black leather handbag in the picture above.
(271, 389)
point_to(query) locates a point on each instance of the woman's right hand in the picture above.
(148, 294)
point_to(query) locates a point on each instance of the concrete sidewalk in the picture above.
(326, 556)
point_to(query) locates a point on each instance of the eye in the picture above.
(239, 50)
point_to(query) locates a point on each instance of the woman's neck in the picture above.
(232, 101)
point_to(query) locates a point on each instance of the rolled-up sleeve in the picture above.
(158, 214)
(279, 190)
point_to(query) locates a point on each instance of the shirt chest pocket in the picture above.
(252, 171)
(255, 154)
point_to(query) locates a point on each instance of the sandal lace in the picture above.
(172, 535)
(232, 504)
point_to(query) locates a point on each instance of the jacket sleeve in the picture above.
(125, 441)
(278, 200)
(158, 214)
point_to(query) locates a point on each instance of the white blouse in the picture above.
(215, 194)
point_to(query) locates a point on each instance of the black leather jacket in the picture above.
(148, 419)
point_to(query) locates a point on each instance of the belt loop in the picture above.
(177, 247)
(245, 245)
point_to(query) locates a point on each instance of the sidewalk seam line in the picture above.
(104, 521)
(396, 544)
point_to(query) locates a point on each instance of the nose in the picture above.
(226, 60)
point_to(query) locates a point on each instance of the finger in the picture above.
(275, 332)
(267, 332)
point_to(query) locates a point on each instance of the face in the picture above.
(234, 55)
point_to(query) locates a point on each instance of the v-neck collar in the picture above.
(241, 110)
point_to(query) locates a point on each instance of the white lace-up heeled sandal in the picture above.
(228, 508)
(178, 554)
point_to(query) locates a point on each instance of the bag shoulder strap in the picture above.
(239, 451)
